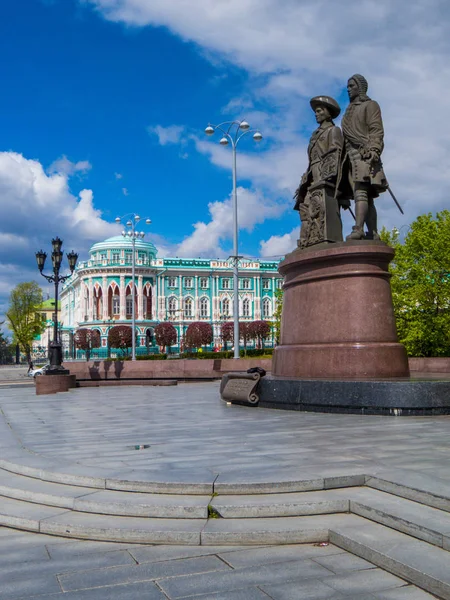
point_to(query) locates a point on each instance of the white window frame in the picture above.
(246, 307)
(204, 307)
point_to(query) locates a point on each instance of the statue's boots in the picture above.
(356, 234)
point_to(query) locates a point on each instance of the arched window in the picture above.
(266, 308)
(116, 304)
(147, 302)
(129, 301)
(172, 304)
(246, 307)
(188, 306)
(204, 306)
(226, 307)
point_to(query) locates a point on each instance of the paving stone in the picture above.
(341, 563)
(408, 592)
(208, 583)
(248, 593)
(146, 590)
(25, 586)
(250, 557)
(309, 589)
(65, 548)
(146, 572)
(368, 580)
(74, 563)
(147, 554)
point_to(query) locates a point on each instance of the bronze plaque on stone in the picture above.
(240, 388)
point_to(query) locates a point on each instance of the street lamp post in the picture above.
(132, 223)
(233, 132)
(56, 278)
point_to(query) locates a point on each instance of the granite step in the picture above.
(413, 518)
(416, 561)
(101, 501)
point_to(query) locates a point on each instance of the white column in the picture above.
(105, 297)
(122, 297)
(140, 298)
(91, 300)
(196, 299)
(257, 286)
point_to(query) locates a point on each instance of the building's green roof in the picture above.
(49, 305)
(119, 242)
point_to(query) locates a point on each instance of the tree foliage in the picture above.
(259, 331)
(120, 337)
(277, 314)
(199, 334)
(86, 339)
(23, 318)
(421, 284)
(227, 331)
(165, 334)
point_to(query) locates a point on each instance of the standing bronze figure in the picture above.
(363, 178)
(316, 195)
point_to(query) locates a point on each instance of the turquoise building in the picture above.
(100, 294)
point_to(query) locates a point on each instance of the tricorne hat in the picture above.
(329, 103)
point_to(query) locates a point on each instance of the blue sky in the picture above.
(104, 103)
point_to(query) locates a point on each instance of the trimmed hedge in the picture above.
(152, 357)
(257, 352)
(202, 355)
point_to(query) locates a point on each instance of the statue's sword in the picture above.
(395, 200)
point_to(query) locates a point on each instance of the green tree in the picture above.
(23, 318)
(277, 314)
(421, 284)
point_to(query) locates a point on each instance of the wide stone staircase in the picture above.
(399, 522)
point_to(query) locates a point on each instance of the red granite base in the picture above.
(52, 384)
(338, 318)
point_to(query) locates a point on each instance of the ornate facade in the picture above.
(100, 293)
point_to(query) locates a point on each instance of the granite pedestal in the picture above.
(338, 319)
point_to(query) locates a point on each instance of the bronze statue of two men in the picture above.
(343, 165)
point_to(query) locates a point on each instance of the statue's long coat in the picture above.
(363, 131)
(324, 154)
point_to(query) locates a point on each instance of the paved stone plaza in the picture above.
(196, 440)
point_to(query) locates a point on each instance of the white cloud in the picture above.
(207, 238)
(43, 207)
(278, 246)
(167, 135)
(118, 176)
(64, 166)
(125, 191)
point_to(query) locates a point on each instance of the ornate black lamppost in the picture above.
(55, 354)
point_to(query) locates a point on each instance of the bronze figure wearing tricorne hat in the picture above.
(324, 154)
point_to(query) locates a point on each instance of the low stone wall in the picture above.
(183, 368)
(430, 365)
